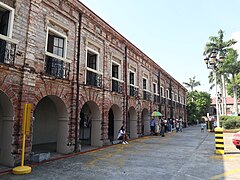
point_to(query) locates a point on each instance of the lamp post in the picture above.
(212, 64)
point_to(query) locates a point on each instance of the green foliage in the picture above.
(230, 122)
(221, 47)
(198, 104)
(192, 83)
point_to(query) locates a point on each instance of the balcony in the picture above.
(173, 103)
(163, 100)
(169, 102)
(56, 67)
(94, 79)
(146, 95)
(156, 98)
(133, 91)
(117, 86)
(7, 50)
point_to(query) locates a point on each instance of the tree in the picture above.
(220, 47)
(198, 104)
(231, 67)
(192, 83)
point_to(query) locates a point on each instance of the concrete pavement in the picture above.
(182, 156)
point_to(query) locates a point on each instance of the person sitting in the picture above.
(122, 135)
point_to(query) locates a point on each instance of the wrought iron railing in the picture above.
(169, 102)
(133, 91)
(146, 95)
(7, 50)
(117, 86)
(56, 67)
(163, 100)
(94, 79)
(156, 98)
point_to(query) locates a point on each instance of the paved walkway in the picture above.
(177, 156)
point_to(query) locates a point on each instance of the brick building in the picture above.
(82, 77)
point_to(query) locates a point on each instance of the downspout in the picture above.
(77, 79)
(159, 87)
(126, 84)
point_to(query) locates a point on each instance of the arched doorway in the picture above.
(115, 121)
(50, 126)
(6, 130)
(90, 125)
(145, 122)
(132, 123)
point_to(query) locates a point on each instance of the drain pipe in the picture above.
(125, 90)
(77, 79)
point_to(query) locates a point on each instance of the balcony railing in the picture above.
(7, 50)
(117, 86)
(146, 95)
(94, 79)
(163, 100)
(169, 102)
(133, 91)
(173, 103)
(56, 67)
(156, 98)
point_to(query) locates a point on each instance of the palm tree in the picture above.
(220, 47)
(231, 66)
(192, 83)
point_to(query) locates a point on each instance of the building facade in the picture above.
(83, 78)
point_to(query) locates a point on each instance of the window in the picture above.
(56, 63)
(167, 94)
(154, 88)
(144, 84)
(131, 78)
(91, 60)
(115, 70)
(162, 91)
(6, 20)
(117, 84)
(7, 44)
(176, 98)
(93, 76)
(173, 96)
(56, 46)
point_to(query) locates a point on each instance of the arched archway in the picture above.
(50, 126)
(145, 122)
(6, 130)
(90, 125)
(115, 120)
(132, 123)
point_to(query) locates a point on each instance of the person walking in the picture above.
(152, 126)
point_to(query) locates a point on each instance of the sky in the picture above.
(173, 33)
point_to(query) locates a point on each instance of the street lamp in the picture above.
(212, 64)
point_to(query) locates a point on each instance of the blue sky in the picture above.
(173, 33)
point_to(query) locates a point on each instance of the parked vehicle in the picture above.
(236, 140)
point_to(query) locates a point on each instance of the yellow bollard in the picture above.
(219, 141)
(25, 130)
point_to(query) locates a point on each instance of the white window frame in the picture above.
(163, 93)
(176, 97)
(10, 20)
(64, 58)
(146, 83)
(119, 71)
(156, 93)
(130, 71)
(168, 94)
(97, 64)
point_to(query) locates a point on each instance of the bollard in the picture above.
(219, 141)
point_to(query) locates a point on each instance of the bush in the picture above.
(230, 122)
